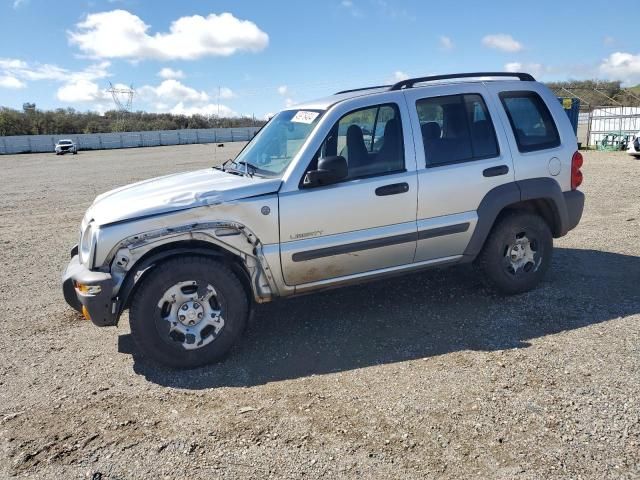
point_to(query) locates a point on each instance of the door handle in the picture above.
(393, 189)
(496, 171)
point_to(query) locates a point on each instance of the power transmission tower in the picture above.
(122, 107)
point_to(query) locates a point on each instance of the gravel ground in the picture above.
(425, 376)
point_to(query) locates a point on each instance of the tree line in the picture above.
(32, 121)
(594, 93)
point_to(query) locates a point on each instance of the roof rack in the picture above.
(360, 89)
(410, 82)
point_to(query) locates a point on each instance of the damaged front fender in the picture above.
(134, 256)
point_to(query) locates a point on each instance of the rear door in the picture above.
(462, 154)
(366, 222)
(541, 136)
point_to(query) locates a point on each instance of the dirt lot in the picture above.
(425, 376)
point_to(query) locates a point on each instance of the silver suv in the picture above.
(379, 181)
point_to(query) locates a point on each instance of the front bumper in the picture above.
(100, 306)
(65, 150)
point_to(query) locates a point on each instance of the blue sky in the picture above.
(256, 57)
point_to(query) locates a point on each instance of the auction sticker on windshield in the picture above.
(304, 116)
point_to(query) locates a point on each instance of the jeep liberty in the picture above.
(431, 171)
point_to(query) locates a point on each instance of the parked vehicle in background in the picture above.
(634, 146)
(367, 183)
(66, 146)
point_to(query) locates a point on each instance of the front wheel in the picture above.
(188, 312)
(517, 253)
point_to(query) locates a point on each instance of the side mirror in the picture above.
(330, 170)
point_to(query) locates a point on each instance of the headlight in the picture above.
(86, 243)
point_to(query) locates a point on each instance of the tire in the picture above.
(159, 301)
(505, 263)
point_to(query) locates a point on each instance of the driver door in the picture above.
(365, 222)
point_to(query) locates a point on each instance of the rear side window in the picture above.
(531, 121)
(456, 128)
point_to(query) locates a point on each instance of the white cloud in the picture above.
(608, 41)
(446, 43)
(121, 34)
(7, 81)
(77, 86)
(19, 3)
(513, 67)
(285, 91)
(398, 76)
(210, 109)
(502, 41)
(226, 93)
(622, 66)
(84, 87)
(81, 91)
(92, 72)
(26, 71)
(535, 69)
(186, 100)
(167, 73)
(35, 71)
(172, 91)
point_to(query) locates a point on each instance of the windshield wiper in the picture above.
(229, 166)
(238, 168)
(249, 168)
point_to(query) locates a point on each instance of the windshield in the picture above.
(64, 142)
(273, 148)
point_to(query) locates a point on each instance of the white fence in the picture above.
(100, 141)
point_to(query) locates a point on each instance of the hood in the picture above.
(176, 192)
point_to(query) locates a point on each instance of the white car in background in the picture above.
(66, 146)
(634, 146)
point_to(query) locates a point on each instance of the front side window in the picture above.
(370, 139)
(273, 148)
(456, 128)
(530, 120)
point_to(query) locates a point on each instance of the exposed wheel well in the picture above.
(543, 207)
(162, 253)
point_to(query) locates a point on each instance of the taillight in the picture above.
(576, 174)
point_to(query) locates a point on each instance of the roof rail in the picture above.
(410, 82)
(360, 89)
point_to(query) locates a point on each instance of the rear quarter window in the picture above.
(532, 123)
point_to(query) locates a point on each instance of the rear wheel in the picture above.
(517, 253)
(188, 312)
